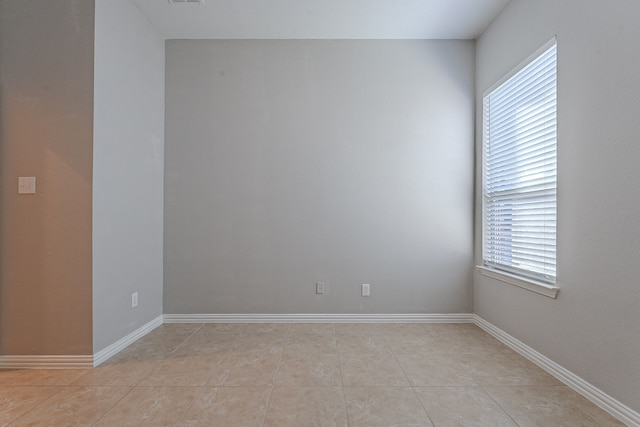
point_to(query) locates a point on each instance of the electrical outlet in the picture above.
(319, 287)
(366, 290)
(134, 300)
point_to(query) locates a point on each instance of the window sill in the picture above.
(528, 284)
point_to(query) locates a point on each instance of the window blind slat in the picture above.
(545, 156)
(524, 135)
(534, 105)
(520, 172)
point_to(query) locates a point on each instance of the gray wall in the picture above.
(593, 328)
(46, 113)
(291, 162)
(128, 170)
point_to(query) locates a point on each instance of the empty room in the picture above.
(319, 213)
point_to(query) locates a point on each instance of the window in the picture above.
(519, 171)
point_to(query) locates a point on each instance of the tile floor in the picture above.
(300, 375)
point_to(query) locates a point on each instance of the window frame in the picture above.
(530, 281)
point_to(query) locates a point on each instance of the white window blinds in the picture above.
(519, 171)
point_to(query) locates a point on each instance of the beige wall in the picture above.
(593, 328)
(46, 114)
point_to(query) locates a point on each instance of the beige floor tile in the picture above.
(371, 370)
(16, 400)
(563, 393)
(384, 406)
(495, 344)
(501, 370)
(298, 406)
(118, 373)
(434, 370)
(73, 406)
(301, 368)
(171, 328)
(134, 354)
(474, 343)
(424, 345)
(362, 344)
(272, 341)
(184, 371)
(163, 339)
(462, 407)
(539, 406)
(228, 407)
(246, 368)
(299, 375)
(321, 343)
(310, 328)
(160, 343)
(266, 328)
(41, 376)
(11, 376)
(451, 327)
(364, 329)
(150, 406)
(222, 328)
(462, 332)
(207, 343)
(408, 330)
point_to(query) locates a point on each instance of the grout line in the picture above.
(184, 341)
(36, 406)
(344, 404)
(342, 386)
(406, 377)
(499, 406)
(184, 414)
(335, 339)
(266, 411)
(417, 396)
(573, 405)
(113, 406)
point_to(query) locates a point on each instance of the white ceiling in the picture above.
(322, 19)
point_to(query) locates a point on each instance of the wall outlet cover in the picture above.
(134, 300)
(366, 290)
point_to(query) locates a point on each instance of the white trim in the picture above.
(319, 318)
(588, 390)
(110, 351)
(528, 284)
(46, 362)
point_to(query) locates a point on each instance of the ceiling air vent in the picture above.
(186, 1)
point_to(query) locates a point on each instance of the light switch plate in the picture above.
(27, 185)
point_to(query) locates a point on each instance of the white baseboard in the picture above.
(46, 362)
(319, 318)
(119, 345)
(594, 394)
